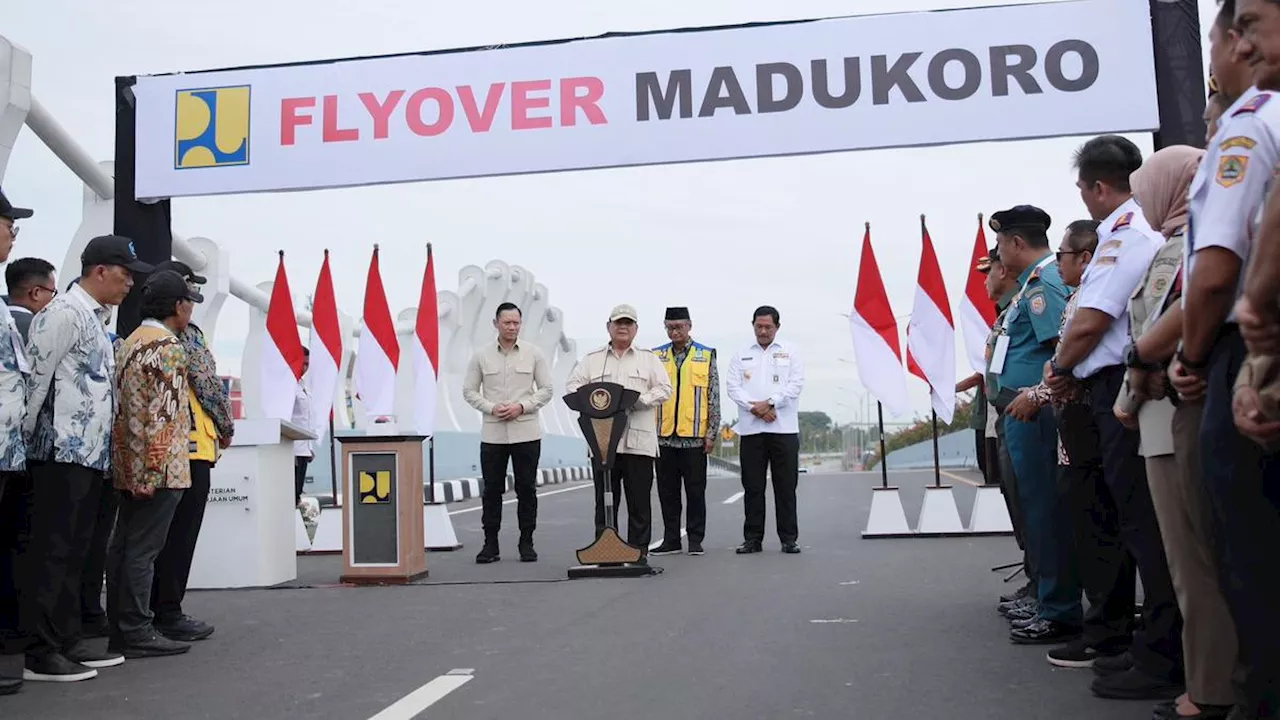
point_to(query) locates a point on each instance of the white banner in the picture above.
(1000, 73)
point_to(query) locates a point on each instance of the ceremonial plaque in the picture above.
(602, 408)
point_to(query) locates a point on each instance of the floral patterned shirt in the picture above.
(152, 428)
(13, 395)
(72, 399)
(202, 373)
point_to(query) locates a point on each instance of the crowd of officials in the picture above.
(106, 448)
(1132, 395)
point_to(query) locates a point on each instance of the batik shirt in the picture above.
(13, 395)
(72, 382)
(152, 428)
(202, 373)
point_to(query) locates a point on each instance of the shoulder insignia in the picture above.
(1231, 169)
(1253, 105)
(1105, 260)
(1123, 222)
(1035, 275)
(1238, 141)
(1112, 244)
(1038, 304)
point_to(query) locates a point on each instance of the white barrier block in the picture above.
(301, 541)
(939, 514)
(887, 518)
(990, 513)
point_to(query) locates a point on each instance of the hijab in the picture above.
(1162, 186)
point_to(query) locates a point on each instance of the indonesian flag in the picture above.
(977, 312)
(426, 352)
(875, 336)
(326, 351)
(282, 356)
(379, 350)
(931, 334)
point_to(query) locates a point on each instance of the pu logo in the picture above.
(375, 487)
(212, 128)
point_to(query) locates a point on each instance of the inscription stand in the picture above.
(602, 408)
(382, 518)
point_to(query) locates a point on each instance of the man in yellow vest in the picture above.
(687, 426)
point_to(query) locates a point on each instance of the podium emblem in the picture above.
(375, 487)
(600, 399)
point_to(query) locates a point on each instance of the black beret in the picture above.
(677, 313)
(1020, 217)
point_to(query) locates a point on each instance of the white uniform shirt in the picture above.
(302, 418)
(1233, 181)
(774, 373)
(1126, 246)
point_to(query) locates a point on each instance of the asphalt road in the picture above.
(851, 628)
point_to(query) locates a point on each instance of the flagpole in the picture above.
(431, 466)
(333, 462)
(937, 469)
(884, 459)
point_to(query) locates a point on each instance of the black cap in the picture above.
(113, 250)
(182, 269)
(169, 285)
(1020, 217)
(7, 210)
(677, 313)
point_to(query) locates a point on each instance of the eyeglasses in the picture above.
(13, 229)
(1060, 253)
(51, 290)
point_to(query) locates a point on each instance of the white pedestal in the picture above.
(939, 514)
(887, 518)
(247, 539)
(990, 514)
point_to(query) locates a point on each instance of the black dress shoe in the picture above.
(1133, 684)
(527, 553)
(184, 629)
(488, 553)
(153, 645)
(9, 686)
(667, 548)
(749, 547)
(1044, 632)
(791, 548)
(695, 548)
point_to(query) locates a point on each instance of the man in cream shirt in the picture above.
(509, 381)
(640, 370)
(765, 380)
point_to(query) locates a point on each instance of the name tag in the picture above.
(998, 355)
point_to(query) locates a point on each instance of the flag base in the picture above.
(887, 519)
(610, 556)
(990, 513)
(438, 528)
(328, 537)
(301, 540)
(939, 514)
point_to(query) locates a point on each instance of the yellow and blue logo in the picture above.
(211, 128)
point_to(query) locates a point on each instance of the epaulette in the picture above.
(1253, 105)
(1035, 275)
(1123, 222)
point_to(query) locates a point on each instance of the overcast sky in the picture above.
(783, 231)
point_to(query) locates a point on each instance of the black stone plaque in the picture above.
(374, 519)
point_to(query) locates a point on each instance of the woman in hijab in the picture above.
(1169, 442)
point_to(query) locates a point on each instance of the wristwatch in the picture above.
(1190, 365)
(1058, 371)
(1133, 361)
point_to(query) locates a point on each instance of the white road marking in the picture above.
(851, 582)
(478, 508)
(958, 478)
(654, 545)
(734, 498)
(408, 707)
(834, 620)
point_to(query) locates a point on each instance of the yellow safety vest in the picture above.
(685, 413)
(204, 434)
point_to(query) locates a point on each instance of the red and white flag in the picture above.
(931, 334)
(282, 356)
(875, 336)
(977, 312)
(426, 352)
(378, 351)
(326, 351)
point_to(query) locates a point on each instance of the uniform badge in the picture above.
(1253, 105)
(1123, 222)
(1159, 285)
(1238, 141)
(1112, 244)
(746, 374)
(1038, 305)
(1231, 169)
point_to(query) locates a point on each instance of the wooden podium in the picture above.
(382, 533)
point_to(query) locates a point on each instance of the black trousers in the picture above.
(1157, 646)
(980, 450)
(780, 454)
(1243, 488)
(64, 511)
(633, 476)
(15, 533)
(299, 476)
(687, 466)
(95, 563)
(1106, 570)
(141, 531)
(1012, 500)
(523, 458)
(173, 565)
